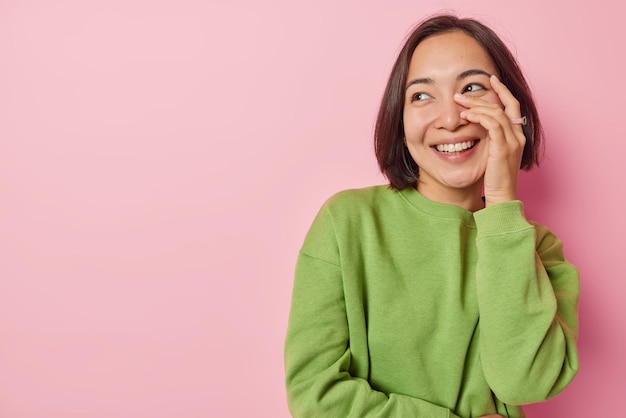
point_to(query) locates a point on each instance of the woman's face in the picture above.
(450, 151)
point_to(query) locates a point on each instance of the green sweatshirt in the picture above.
(404, 307)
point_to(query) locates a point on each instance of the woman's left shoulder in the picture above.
(546, 240)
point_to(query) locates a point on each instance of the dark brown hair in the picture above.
(393, 157)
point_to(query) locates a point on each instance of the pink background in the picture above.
(161, 161)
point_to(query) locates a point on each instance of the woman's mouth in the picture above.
(454, 149)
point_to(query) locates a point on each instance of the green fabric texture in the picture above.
(404, 307)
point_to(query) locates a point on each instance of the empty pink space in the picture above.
(160, 163)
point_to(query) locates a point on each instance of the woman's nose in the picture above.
(450, 115)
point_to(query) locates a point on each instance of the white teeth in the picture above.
(451, 148)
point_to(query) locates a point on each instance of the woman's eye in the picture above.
(418, 97)
(471, 88)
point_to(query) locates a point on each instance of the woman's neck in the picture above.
(470, 198)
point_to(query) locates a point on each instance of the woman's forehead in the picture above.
(449, 53)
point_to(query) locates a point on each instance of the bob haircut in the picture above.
(393, 157)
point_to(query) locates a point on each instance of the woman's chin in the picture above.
(464, 182)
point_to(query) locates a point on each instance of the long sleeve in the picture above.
(527, 297)
(317, 346)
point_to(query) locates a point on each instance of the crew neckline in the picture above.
(436, 209)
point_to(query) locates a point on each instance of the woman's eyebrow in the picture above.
(471, 72)
(424, 80)
(464, 74)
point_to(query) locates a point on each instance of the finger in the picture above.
(511, 104)
(478, 106)
(491, 114)
(470, 102)
(496, 130)
(496, 123)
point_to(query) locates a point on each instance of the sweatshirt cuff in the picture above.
(502, 218)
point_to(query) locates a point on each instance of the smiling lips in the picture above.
(457, 148)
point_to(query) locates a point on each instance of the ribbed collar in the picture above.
(436, 209)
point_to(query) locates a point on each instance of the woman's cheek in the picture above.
(415, 123)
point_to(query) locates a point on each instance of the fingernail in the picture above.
(459, 96)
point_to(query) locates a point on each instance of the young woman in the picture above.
(434, 296)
